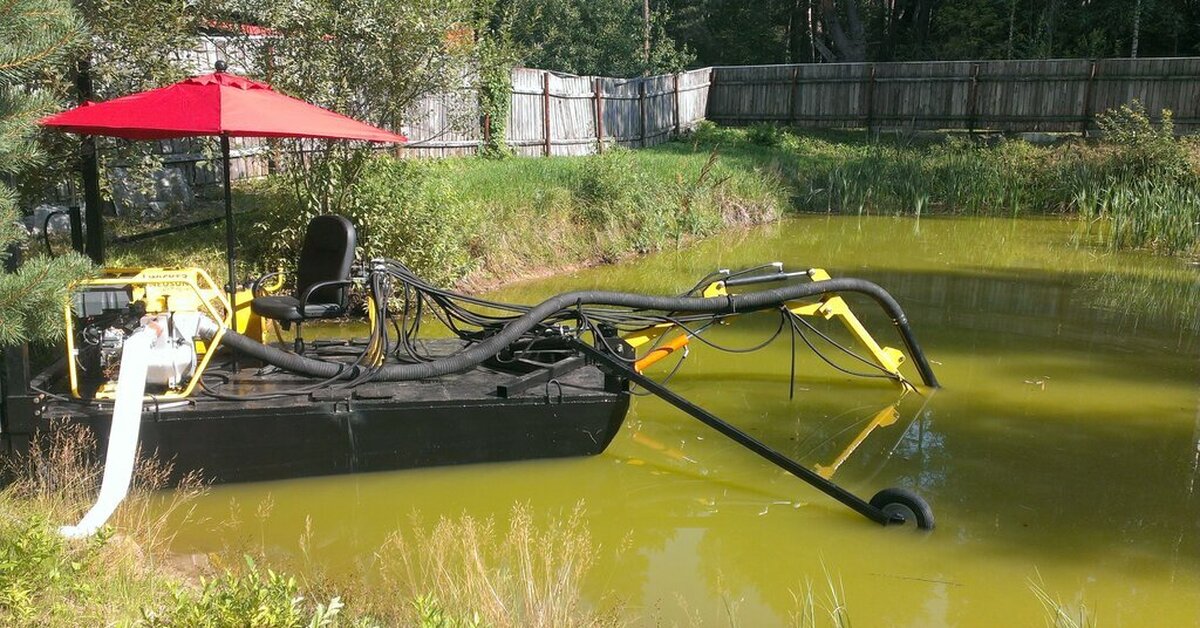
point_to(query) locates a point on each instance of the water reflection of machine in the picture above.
(152, 361)
(883, 430)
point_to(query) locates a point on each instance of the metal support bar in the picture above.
(847, 498)
(89, 170)
(154, 233)
(76, 218)
(599, 112)
(540, 376)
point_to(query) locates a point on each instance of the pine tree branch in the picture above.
(39, 56)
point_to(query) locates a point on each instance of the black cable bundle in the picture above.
(492, 327)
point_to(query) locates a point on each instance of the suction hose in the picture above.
(481, 351)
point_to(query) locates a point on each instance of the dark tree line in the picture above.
(731, 31)
(607, 36)
(774, 31)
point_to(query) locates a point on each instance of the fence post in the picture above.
(870, 97)
(642, 108)
(792, 94)
(598, 110)
(546, 112)
(1087, 100)
(972, 98)
(675, 77)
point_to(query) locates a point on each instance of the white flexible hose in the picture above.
(122, 437)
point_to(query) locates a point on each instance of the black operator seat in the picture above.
(322, 276)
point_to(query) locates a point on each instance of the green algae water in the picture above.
(1063, 450)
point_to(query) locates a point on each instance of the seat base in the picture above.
(286, 308)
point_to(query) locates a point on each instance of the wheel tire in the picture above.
(905, 504)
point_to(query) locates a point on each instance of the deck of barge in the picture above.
(481, 415)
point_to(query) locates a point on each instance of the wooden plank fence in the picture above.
(561, 114)
(1052, 95)
(552, 113)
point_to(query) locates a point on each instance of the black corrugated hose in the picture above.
(479, 352)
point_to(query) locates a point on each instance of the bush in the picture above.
(249, 600)
(634, 209)
(765, 134)
(611, 190)
(707, 133)
(403, 209)
(40, 573)
(410, 210)
(1141, 148)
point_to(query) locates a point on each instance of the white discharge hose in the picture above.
(123, 435)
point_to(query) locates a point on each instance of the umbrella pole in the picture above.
(229, 237)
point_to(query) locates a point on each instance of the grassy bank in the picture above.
(480, 222)
(1138, 187)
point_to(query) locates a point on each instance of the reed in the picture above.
(1139, 187)
(1060, 614)
(1159, 215)
(529, 573)
(820, 606)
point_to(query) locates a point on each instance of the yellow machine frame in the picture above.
(164, 290)
(828, 307)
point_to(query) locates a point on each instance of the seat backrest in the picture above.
(327, 255)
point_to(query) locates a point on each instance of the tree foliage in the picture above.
(368, 59)
(780, 31)
(596, 37)
(132, 45)
(35, 37)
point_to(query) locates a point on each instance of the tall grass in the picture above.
(1162, 216)
(528, 573)
(46, 580)
(1060, 614)
(820, 606)
(1138, 187)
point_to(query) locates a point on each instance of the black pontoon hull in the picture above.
(454, 420)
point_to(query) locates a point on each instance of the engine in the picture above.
(175, 306)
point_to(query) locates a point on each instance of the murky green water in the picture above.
(1064, 445)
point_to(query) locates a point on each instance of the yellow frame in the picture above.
(828, 307)
(833, 306)
(196, 279)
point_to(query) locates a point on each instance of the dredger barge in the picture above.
(157, 359)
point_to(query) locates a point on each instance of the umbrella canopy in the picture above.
(213, 104)
(217, 104)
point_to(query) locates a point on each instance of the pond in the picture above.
(1063, 449)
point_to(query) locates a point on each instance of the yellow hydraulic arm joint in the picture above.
(833, 306)
(828, 307)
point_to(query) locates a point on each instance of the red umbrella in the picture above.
(216, 104)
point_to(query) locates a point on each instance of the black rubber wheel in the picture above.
(905, 505)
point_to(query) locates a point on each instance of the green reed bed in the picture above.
(1162, 216)
(1136, 187)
